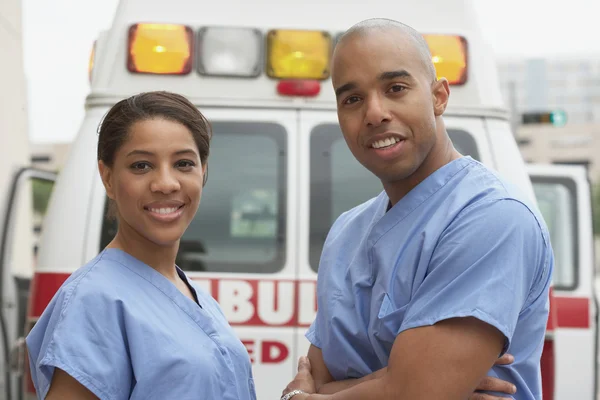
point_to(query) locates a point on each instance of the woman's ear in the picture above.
(106, 175)
(204, 173)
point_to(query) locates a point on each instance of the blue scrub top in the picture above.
(463, 243)
(125, 331)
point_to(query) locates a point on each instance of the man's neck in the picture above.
(435, 160)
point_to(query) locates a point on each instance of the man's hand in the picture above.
(487, 384)
(303, 380)
(491, 384)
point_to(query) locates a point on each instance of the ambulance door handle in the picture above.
(8, 304)
(17, 357)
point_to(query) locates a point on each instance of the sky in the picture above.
(58, 36)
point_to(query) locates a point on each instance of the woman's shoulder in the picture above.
(82, 332)
(100, 277)
(99, 284)
(87, 308)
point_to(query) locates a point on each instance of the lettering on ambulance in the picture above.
(254, 302)
(271, 351)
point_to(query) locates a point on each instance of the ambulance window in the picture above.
(339, 182)
(240, 224)
(557, 201)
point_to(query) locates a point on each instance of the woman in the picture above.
(130, 324)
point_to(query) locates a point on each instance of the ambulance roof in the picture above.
(112, 80)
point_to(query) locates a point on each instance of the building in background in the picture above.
(16, 256)
(49, 156)
(556, 109)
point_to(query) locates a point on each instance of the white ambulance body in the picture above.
(16, 217)
(279, 170)
(14, 155)
(564, 198)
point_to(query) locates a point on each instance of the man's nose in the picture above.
(376, 114)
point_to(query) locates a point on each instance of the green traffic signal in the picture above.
(556, 118)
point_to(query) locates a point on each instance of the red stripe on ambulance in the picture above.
(43, 287)
(267, 302)
(245, 302)
(573, 312)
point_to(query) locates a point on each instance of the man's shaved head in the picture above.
(390, 102)
(369, 26)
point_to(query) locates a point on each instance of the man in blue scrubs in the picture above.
(422, 288)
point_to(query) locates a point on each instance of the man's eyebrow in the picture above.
(386, 76)
(344, 88)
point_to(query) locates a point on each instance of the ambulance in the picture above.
(280, 171)
(16, 214)
(564, 199)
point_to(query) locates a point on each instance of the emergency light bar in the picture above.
(230, 52)
(298, 54)
(449, 56)
(91, 61)
(239, 52)
(299, 87)
(160, 49)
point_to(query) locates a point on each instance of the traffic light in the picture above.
(556, 118)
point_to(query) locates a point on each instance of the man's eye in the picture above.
(397, 88)
(351, 100)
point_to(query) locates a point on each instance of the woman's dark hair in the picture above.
(114, 128)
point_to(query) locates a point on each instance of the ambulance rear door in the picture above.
(16, 259)
(564, 198)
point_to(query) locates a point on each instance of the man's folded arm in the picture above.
(319, 370)
(455, 326)
(446, 360)
(324, 382)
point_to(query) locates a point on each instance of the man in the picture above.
(421, 289)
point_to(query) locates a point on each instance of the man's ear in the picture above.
(440, 93)
(106, 175)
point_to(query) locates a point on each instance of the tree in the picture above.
(596, 209)
(41, 195)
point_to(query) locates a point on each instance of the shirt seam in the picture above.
(172, 301)
(473, 312)
(448, 179)
(50, 351)
(312, 338)
(82, 377)
(66, 303)
(535, 283)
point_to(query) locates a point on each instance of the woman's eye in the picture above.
(185, 164)
(140, 166)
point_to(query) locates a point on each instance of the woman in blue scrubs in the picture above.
(130, 324)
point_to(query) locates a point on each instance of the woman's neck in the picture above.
(161, 258)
